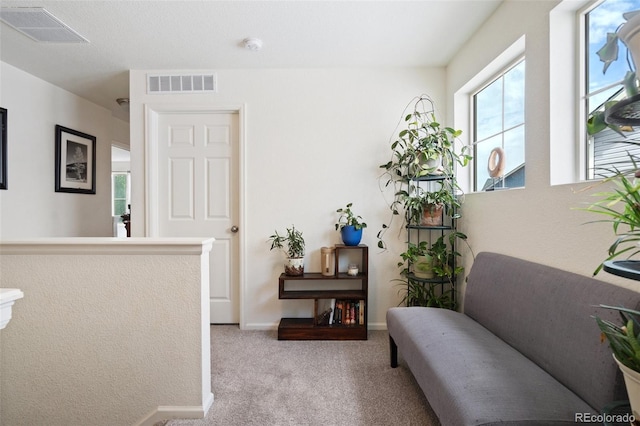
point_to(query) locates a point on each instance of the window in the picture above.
(121, 193)
(498, 126)
(607, 149)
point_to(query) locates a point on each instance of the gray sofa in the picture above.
(524, 352)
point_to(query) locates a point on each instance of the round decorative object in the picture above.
(350, 235)
(496, 166)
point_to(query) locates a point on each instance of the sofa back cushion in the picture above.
(546, 314)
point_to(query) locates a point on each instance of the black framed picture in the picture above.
(75, 161)
(3, 148)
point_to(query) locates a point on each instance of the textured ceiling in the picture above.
(208, 34)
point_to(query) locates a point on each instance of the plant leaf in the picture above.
(609, 52)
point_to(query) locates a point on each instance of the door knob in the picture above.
(234, 229)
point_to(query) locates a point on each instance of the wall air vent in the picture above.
(196, 83)
(39, 25)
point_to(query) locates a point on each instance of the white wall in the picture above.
(109, 332)
(314, 141)
(30, 207)
(538, 222)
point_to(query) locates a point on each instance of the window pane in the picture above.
(120, 191)
(603, 19)
(513, 149)
(120, 186)
(514, 96)
(119, 207)
(499, 122)
(607, 148)
(488, 111)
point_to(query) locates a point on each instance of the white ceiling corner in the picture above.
(209, 34)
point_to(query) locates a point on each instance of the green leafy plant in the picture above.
(415, 205)
(423, 149)
(421, 140)
(412, 253)
(426, 292)
(620, 207)
(292, 244)
(624, 338)
(348, 218)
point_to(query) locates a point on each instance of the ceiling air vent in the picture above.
(197, 83)
(39, 25)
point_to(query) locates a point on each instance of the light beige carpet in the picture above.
(258, 380)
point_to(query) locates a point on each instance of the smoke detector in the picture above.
(252, 43)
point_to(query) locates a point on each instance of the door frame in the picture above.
(152, 114)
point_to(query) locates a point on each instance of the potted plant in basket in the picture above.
(350, 226)
(624, 341)
(294, 250)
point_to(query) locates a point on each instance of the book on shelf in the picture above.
(348, 312)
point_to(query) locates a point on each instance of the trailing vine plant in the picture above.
(422, 147)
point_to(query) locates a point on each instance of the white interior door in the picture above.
(198, 194)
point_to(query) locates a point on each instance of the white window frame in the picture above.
(500, 74)
(463, 102)
(587, 143)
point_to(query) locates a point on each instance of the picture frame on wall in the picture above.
(3, 148)
(75, 161)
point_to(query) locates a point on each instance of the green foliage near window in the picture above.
(620, 207)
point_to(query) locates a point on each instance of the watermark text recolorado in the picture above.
(604, 418)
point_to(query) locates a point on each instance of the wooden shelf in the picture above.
(323, 294)
(305, 328)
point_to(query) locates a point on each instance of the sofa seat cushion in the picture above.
(471, 377)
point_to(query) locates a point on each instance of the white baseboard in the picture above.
(166, 412)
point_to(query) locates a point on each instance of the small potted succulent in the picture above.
(292, 244)
(350, 226)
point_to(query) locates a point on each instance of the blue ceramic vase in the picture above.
(350, 235)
